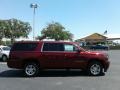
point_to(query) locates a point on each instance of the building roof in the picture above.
(113, 36)
(94, 36)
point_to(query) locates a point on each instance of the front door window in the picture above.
(70, 48)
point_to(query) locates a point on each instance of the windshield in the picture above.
(6, 48)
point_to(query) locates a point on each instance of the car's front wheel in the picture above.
(95, 68)
(31, 69)
(4, 58)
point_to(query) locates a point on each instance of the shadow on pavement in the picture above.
(12, 73)
(20, 74)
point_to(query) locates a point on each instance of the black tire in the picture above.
(95, 68)
(4, 58)
(31, 69)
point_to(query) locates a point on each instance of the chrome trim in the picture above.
(42, 47)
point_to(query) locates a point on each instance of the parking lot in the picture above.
(11, 79)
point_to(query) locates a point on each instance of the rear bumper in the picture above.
(15, 64)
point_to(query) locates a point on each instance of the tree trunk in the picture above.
(12, 40)
(0, 41)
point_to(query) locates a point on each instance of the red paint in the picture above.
(55, 60)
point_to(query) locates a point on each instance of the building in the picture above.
(113, 37)
(93, 39)
(96, 38)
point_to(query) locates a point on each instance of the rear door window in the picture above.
(53, 47)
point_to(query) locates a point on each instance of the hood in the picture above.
(5, 52)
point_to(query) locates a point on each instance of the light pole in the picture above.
(34, 6)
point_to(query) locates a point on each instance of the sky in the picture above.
(80, 17)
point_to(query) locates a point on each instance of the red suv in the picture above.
(31, 56)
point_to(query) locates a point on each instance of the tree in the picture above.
(55, 31)
(2, 27)
(15, 28)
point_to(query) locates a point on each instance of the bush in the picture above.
(6, 43)
(110, 47)
(115, 47)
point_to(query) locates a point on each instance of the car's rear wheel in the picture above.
(4, 58)
(95, 68)
(31, 69)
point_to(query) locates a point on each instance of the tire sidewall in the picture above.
(4, 56)
(36, 67)
(93, 63)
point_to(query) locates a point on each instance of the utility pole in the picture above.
(34, 6)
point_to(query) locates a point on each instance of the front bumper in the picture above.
(106, 65)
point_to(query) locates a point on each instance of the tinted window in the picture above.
(69, 47)
(24, 47)
(53, 47)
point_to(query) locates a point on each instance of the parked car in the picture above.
(32, 56)
(102, 47)
(4, 53)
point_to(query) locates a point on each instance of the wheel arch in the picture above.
(95, 60)
(30, 60)
(4, 55)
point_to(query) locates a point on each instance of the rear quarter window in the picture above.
(24, 47)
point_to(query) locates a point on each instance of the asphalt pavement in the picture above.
(12, 79)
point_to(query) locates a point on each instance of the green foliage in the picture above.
(117, 47)
(2, 26)
(56, 31)
(14, 28)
